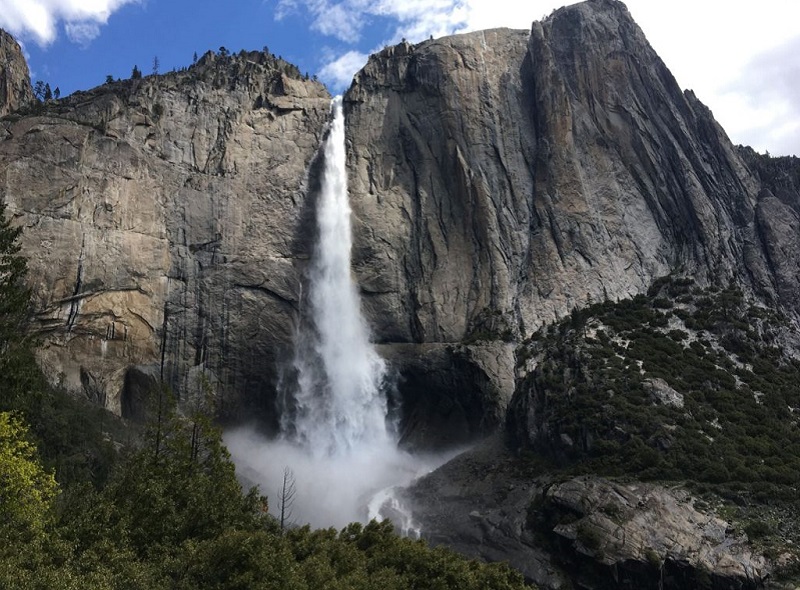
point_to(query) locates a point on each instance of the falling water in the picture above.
(336, 437)
(340, 402)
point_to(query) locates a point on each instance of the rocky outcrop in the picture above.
(165, 226)
(583, 532)
(778, 219)
(15, 81)
(618, 535)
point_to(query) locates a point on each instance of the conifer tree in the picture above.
(14, 295)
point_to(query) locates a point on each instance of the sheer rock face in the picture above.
(15, 81)
(498, 179)
(501, 178)
(164, 222)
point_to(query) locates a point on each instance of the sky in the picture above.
(742, 59)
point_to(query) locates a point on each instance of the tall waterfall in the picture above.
(336, 438)
(339, 400)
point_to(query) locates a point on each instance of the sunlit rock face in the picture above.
(15, 81)
(502, 178)
(164, 222)
(497, 179)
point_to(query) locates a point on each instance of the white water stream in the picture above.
(337, 438)
(340, 400)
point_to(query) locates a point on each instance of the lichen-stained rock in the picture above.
(15, 81)
(162, 223)
(644, 532)
(579, 532)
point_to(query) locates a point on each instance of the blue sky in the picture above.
(744, 63)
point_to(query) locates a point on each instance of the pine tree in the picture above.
(20, 376)
(14, 295)
(136, 73)
(38, 90)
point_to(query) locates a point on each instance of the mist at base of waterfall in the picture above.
(332, 491)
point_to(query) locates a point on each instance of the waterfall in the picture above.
(335, 435)
(339, 402)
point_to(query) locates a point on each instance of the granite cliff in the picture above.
(15, 83)
(502, 178)
(499, 179)
(163, 226)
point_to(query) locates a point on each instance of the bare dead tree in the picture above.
(286, 499)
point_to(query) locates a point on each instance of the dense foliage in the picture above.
(167, 512)
(685, 383)
(172, 515)
(27, 490)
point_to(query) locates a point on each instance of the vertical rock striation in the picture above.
(164, 222)
(502, 178)
(15, 81)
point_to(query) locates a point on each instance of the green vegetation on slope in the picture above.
(172, 515)
(683, 383)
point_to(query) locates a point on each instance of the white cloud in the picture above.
(341, 23)
(38, 19)
(82, 33)
(760, 102)
(338, 72)
(419, 19)
(741, 60)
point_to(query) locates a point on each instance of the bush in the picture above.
(757, 529)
